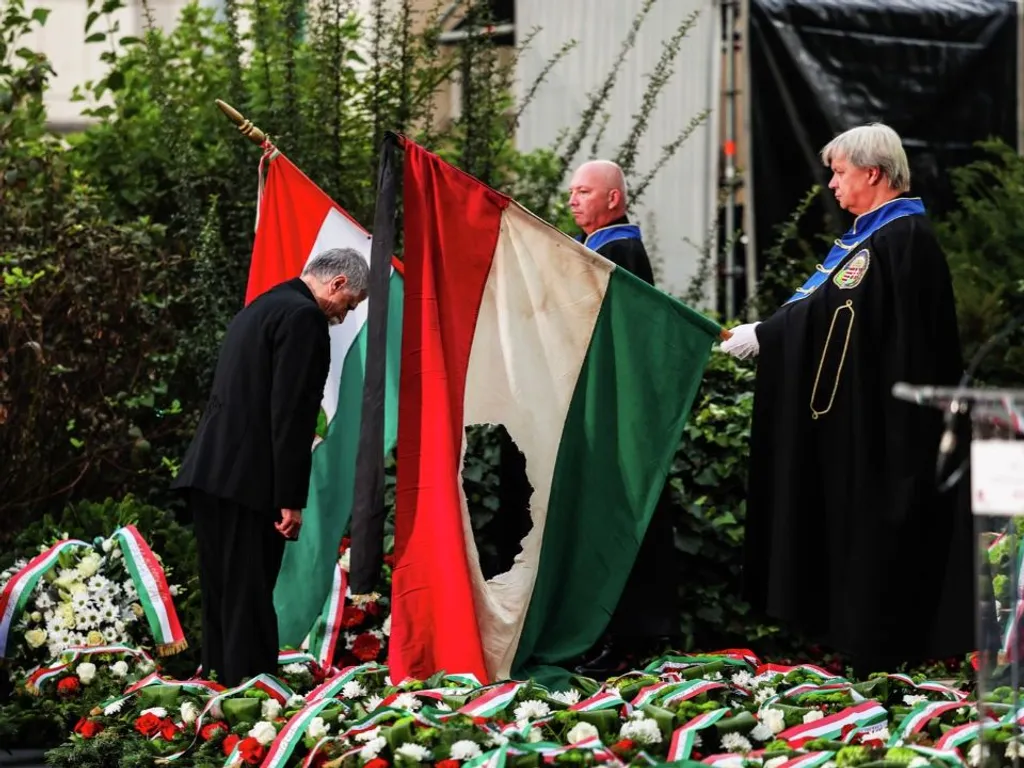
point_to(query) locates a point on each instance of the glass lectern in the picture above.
(996, 477)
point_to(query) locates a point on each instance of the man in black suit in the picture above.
(246, 472)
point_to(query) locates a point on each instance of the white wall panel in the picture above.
(680, 203)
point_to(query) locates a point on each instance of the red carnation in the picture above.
(251, 750)
(366, 647)
(377, 762)
(148, 725)
(448, 764)
(623, 746)
(68, 686)
(352, 617)
(373, 608)
(168, 730)
(230, 742)
(210, 730)
(87, 729)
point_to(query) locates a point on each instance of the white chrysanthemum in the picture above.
(465, 750)
(743, 679)
(734, 742)
(774, 719)
(369, 735)
(43, 601)
(372, 748)
(813, 716)
(763, 678)
(762, 732)
(89, 565)
(264, 733)
(977, 755)
(119, 669)
(189, 712)
(113, 708)
(80, 601)
(637, 714)
(270, 709)
(570, 697)
(414, 751)
(350, 640)
(912, 701)
(497, 740)
(353, 689)
(86, 672)
(764, 694)
(1014, 749)
(294, 669)
(442, 706)
(531, 709)
(581, 732)
(641, 731)
(407, 701)
(317, 728)
(295, 700)
(111, 635)
(155, 711)
(373, 703)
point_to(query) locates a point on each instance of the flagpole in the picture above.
(245, 126)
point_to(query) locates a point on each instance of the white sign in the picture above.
(997, 477)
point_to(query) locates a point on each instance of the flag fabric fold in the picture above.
(296, 221)
(592, 373)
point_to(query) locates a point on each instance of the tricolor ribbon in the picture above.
(291, 735)
(918, 718)
(16, 592)
(688, 690)
(831, 727)
(323, 638)
(600, 700)
(929, 685)
(492, 702)
(810, 760)
(811, 669)
(154, 594)
(332, 687)
(69, 656)
(683, 739)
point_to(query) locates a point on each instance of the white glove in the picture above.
(743, 342)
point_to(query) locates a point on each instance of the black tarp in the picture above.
(942, 73)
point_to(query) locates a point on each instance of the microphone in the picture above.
(948, 442)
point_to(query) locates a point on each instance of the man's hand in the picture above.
(291, 522)
(743, 342)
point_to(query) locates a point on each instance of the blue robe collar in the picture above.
(864, 226)
(605, 235)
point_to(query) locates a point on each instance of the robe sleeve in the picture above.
(921, 341)
(630, 255)
(302, 358)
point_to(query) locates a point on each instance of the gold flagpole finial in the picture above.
(245, 127)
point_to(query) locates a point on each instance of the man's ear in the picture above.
(338, 283)
(614, 198)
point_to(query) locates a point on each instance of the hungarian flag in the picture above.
(507, 321)
(297, 220)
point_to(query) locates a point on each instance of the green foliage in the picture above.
(984, 243)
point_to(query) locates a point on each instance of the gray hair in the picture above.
(327, 265)
(872, 146)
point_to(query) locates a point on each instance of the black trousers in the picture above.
(240, 554)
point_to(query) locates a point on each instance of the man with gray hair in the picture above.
(847, 530)
(246, 472)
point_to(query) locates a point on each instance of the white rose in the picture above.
(774, 719)
(88, 565)
(189, 713)
(36, 616)
(814, 716)
(119, 669)
(270, 709)
(155, 711)
(317, 728)
(35, 638)
(108, 544)
(264, 733)
(581, 732)
(86, 671)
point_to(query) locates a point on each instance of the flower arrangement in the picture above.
(74, 594)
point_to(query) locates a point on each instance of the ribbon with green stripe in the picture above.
(683, 739)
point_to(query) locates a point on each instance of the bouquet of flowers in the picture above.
(77, 594)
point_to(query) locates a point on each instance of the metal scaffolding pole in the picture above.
(729, 270)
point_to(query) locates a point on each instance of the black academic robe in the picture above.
(253, 445)
(847, 536)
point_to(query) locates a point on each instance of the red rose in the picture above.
(366, 647)
(87, 729)
(148, 725)
(377, 762)
(210, 730)
(448, 764)
(168, 730)
(68, 686)
(251, 751)
(352, 617)
(229, 743)
(625, 745)
(373, 608)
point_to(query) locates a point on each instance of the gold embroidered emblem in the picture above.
(851, 275)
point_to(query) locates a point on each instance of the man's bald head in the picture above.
(597, 194)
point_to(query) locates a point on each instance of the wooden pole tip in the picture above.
(245, 127)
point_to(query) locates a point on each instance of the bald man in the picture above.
(646, 618)
(598, 201)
